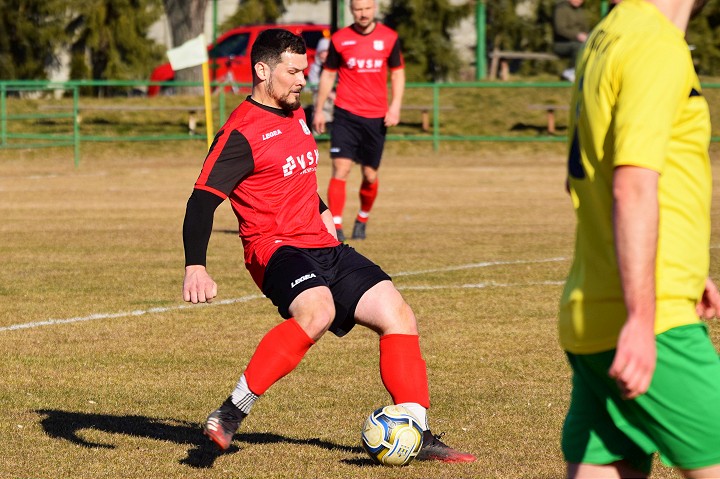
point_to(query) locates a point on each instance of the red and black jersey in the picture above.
(265, 160)
(362, 62)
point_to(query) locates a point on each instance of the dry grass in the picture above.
(478, 239)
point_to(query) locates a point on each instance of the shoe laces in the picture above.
(436, 440)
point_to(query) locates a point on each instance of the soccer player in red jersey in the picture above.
(264, 159)
(361, 55)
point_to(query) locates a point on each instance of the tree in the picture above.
(254, 11)
(424, 28)
(187, 21)
(704, 37)
(30, 33)
(527, 26)
(109, 40)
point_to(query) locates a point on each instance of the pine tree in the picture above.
(31, 31)
(254, 11)
(424, 29)
(109, 40)
(704, 37)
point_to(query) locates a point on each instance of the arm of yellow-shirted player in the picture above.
(635, 222)
(651, 86)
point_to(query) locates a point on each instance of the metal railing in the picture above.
(70, 112)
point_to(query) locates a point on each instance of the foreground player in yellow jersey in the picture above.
(646, 377)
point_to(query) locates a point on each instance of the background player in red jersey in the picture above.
(361, 55)
(264, 159)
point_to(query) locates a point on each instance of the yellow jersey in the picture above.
(637, 101)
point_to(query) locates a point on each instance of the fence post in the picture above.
(480, 47)
(76, 123)
(436, 116)
(3, 114)
(221, 107)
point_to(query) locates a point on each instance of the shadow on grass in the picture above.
(538, 129)
(202, 454)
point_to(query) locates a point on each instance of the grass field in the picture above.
(106, 373)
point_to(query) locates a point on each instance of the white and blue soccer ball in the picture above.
(392, 436)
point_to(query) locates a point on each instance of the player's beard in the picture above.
(283, 100)
(365, 22)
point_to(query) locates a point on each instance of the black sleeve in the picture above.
(396, 59)
(197, 226)
(323, 206)
(231, 165)
(333, 59)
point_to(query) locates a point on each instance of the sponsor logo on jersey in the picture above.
(270, 134)
(365, 64)
(348, 42)
(379, 45)
(305, 128)
(301, 279)
(307, 163)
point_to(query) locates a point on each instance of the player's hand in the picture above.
(709, 305)
(392, 117)
(635, 359)
(318, 122)
(198, 286)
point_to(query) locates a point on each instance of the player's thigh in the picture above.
(597, 429)
(384, 310)
(371, 150)
(314, 310)
(347, 135)
(684, 398)
(290, 272)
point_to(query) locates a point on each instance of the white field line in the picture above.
(475, 265)
(125, 314)
(244, 299)
(489, 284)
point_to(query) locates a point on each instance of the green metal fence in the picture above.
(41, 114)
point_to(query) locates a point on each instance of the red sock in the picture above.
(336, 200)
(403, 370)
(368, 193)
(278, 353)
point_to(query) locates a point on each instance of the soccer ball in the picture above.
(392, 436)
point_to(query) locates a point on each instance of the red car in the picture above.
(230, 55)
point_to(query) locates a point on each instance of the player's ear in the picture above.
(262, 70)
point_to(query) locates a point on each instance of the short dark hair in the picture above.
(272, 43)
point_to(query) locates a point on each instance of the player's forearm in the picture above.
(328, 221)
(635, 223)
(397, 89)
(197, 226)
(327, 80)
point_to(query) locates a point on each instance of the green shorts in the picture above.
(678, 417)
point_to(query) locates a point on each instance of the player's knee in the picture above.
(399, 320)
(316, 323)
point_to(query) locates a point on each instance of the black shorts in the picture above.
(346, 272)
(358, 138)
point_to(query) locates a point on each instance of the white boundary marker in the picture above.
(244, 299)
(139, 312)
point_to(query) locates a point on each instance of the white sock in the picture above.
(242, 397)
(418, 411)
